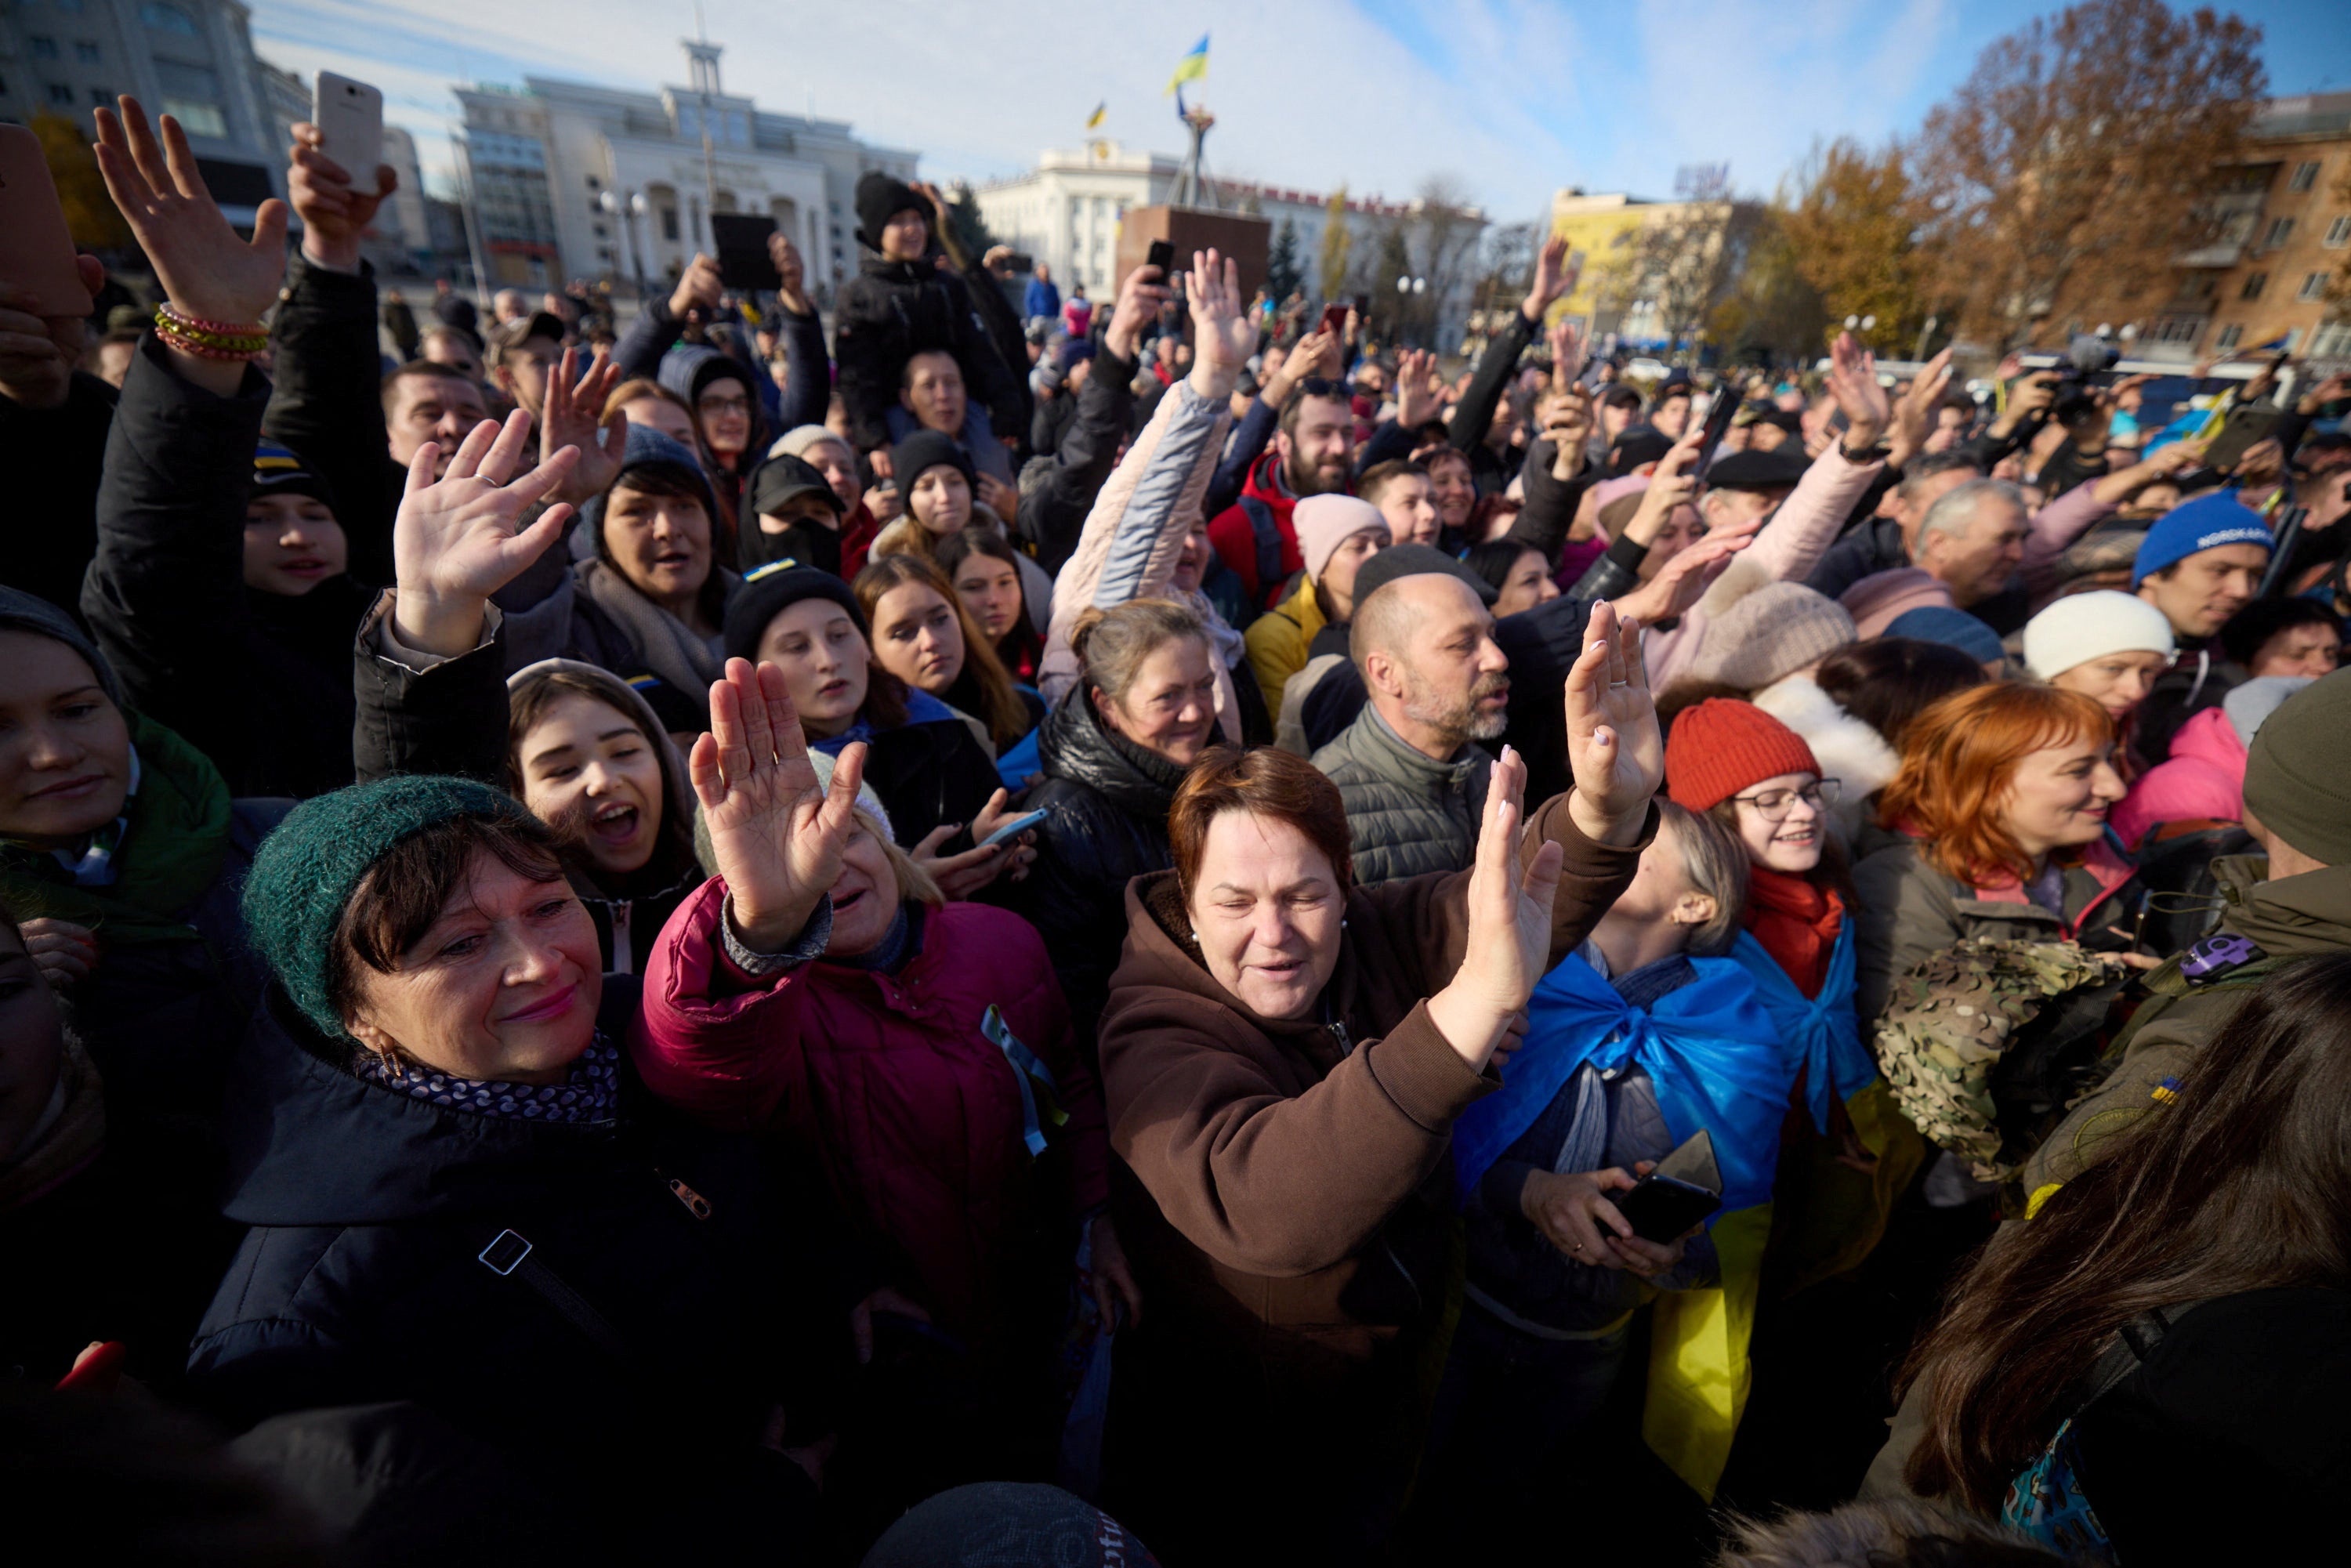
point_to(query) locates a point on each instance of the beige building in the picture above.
(2287, 231)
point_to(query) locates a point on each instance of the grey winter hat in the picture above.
(2250, 703)
(1770, 634)
(21, 611)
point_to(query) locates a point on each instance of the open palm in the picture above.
(571, 418)
(206, 270)
(1614, 746)
(461, 537)
(1221, 327)
(776, 833)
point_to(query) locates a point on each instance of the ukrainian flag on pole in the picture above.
(1192, 67)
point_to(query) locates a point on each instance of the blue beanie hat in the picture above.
(1952, 628)
(305, 872)
(2205, 523)
(650, 448)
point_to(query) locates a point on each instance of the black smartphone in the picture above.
(1718, 415)
(742, 241)
(1660, 1207)
(1162, 256)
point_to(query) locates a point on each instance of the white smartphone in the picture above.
(349, 118)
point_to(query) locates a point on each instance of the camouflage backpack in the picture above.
(1986, 1043)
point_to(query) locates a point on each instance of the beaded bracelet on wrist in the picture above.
(185, 331)
(174, 339)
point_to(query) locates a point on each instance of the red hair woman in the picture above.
(1999, 830)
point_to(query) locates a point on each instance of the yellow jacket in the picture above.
(1278, 641)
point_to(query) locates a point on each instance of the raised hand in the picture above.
(1510, 910)
(333, 214)
(1682, 581)
(1613, 746)
(1566, 354)
(1140, 295)
(1566, 419)
(698, 285)
(1222, 335)
(461, 538)
(1914, 413)
(37, 353)
(791, 274)
(1671, 485)
(1415, 388)
(1853, 383)
(775, 834)
(570, 419)
(206, 270)
(2334, 386)
(1551, 280)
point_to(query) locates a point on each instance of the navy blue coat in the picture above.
(361, 1282)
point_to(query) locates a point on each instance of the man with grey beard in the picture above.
(1409, 767)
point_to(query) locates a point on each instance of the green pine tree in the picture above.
(1282, 277)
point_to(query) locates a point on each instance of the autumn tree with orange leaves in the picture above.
(2078, 157)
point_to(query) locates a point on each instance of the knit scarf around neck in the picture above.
(1796, 923)
(175, 843)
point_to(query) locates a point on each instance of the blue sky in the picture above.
(1513, 98)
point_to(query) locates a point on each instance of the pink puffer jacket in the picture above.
(2204, 779)
(887, 1081)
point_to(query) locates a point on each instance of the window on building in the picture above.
(2306, 175)
(86, 53)
(2253, 286)
(193, 96)
(669, 223)
(594, 183)
(2338, 233)
(2281, 230)
(165, 18)
(61, 92)
(43, 48)
(2314, 286)
(101, 97)
(2331, 341)
(2230, 336)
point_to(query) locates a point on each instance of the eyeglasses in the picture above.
(1773, 805)
(1323, 386)
(711, 406)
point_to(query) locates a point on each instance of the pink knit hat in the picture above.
(1876, 600)
(1323, 521)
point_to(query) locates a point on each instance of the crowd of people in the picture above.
(1145, 931)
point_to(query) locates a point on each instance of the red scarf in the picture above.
(1796, 923)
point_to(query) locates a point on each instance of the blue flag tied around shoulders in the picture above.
(1821, 1033)
(1711, 1049)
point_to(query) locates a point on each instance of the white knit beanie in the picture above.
(2086, 626)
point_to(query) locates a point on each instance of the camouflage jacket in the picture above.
(1950, 1021)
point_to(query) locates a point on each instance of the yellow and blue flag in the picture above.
(1192, 67)
(1095, 119)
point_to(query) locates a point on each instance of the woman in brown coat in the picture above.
(1283, 1055)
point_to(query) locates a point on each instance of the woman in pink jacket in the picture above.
(2204, 779)
(918, 1049)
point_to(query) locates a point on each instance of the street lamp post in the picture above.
(628, 209)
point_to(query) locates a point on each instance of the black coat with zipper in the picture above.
(708, 1300)
(258, 682)
(1107, 802)
(893, 309)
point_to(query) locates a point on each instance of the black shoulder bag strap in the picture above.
(510, 1257)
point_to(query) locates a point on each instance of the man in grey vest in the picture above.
(1409, 767)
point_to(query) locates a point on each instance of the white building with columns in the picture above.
(573, 181)
(1065, 212)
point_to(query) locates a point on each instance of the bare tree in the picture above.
(1687, 258)
(2079, 156)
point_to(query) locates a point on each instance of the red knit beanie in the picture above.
(1722, 746)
